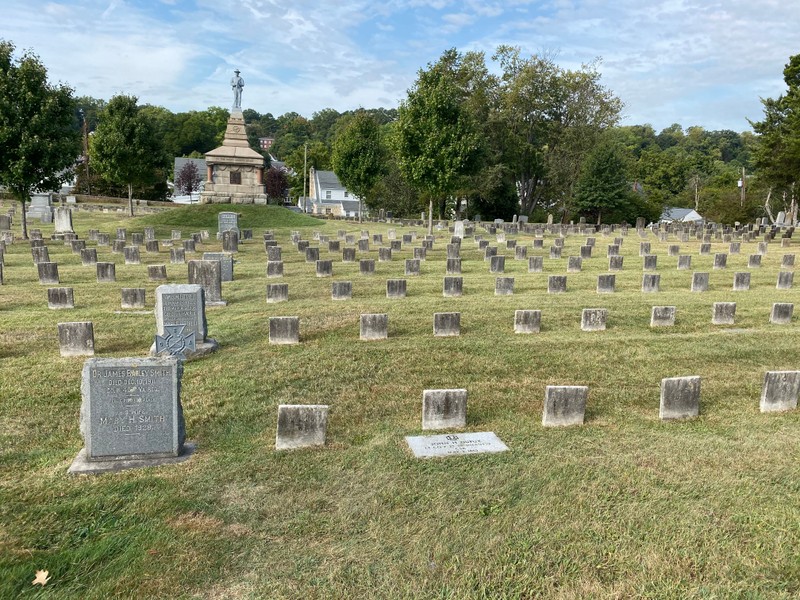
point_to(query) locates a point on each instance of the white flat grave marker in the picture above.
(454, 444)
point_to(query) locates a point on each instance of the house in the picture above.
(327, 196)
(681, 215)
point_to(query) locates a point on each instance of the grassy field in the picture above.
(624, 506)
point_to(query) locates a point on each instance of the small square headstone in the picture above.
(444, 409)
(301, 426)
(780, 391)
(564, 405)
(680, 397)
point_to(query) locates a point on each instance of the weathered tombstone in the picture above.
(564, 405)
(366, 266)
(527, 321)
(684, 262)
(62, 219)
(700, 282)
(48, 273)
(556, 284)
(444, 409)
(606, 284)
(132, 255)
(106, 272)
(384, 254)
(651, 282)
(363, 245)
(324, 268)
(458, 229)
(227, 221)
(412, 267)
(650, 262)
(594, 319)
(301, 426)
(395, 288)
(723, 313)
(447, 324)
(741, 282)
(504, 286)
(538, 244)
(374, 327)
(762, 248)
(574, 264)
(674, 250)
(720, 260)
(453, 287)
(785, 279)
(787, 262)
(177, 256)
(781, 313)
(535, 264)
(662, 316)
(274, 269)
(705, 249)
(77, 245)
(348, 255)
(149, 234)
(341, 290)
(277, 292)
(680, 398)
(89, 256)
(780, 391)
(489, 252)
(137, 239)
(497, 264)
(453, 266)
(754, 261)
(157, 272)
(312, 255)
(735, 248)
(176, 233)
(103, 239)
(274, 253)
(555, 252)
(520, 253)
(60, 297)
(284, 330)
(615, 263)
(131, 415)
(132, 297)
(76, 339)
(613, 250)
(189, 246)
(5, 222)
(208, 273)
(644, 248)
(40, 254)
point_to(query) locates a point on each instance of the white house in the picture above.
(327, 196)
(681, 215)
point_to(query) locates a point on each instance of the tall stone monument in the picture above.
(235, 171)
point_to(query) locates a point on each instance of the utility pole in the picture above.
(744, 185)
(305, 171)
(85, 128)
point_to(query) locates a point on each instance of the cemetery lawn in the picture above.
(623, 506)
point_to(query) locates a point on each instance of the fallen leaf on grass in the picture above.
(42, 577)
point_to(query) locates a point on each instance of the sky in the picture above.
(692, 62)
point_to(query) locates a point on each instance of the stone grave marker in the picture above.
(48, 273)
(384, 254)
(348, 255)
(131, 415)
(651, 282)
(741, 282)
(680, 398)
(226, 221)
(76, 338)
(574, 264)
(274, 269)
(132, 297)
(374, 327)
(180, 312)
(89, 257)
(60, 297)
(720, 260)
(412, 267)
(301, 426)
(723, 313)
(366, 266)
(341, 290)
(208, 273)
(555, 252)
(662, 316)
(564, 405)
(754, 261)
(787, 262)
(452, 444)
(106, 272)
(780, 391)
(324, 268)
(177, 256)
(157, 272)
(447, 324)
(785, 279)
(700, 282)
(444, 409)
(40, 254)
(504, 286)
(453, 287)
(132, 256)
(781, 313)
(594, 319)
(527, 321)
(497, 264)
(684, 262)
(284, 330)
(650, 262)
(615, 263)
(453, 266)
(395, 288)
(277, 292)
(535, 264)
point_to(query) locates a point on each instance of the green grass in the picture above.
(625, 506)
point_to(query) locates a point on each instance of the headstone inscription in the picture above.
(444, 409)
(76, 338)
(527, 321)
(182, 306)
(208, 273)
(131, 415)
(780, 391)
(227, 221)
(374, 327)
(452, 444)
(564, 405)
(225, 263)
(301, 426)
(680, 397)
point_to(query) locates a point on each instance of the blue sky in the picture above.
(694, 62)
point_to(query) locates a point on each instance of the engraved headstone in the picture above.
(301, 426)
(76, 338)
(444, 409)
(132, 297)
(781, 313)
(594, 319)
(374, 327)
(225, 262)
(60, 297)
(780, 391)
(680, 398)
(564, 405)
(341, 290)
(284, 330)
(447, 324)
(208, 273)
(527, 321)
(662, 316)
(395, 288)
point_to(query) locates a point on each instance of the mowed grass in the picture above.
(625, 506)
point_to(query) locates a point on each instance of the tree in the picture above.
(602, 188)
(437, 140)
(188, 179)
(276, 183)
(359, 157)
(125, 147)
(39, 134)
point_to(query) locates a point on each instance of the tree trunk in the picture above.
(599, 216)
(360, 208)
(768, 208)
(24, 220)
(430, 217)
(130, 199)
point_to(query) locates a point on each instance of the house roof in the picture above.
(327, 180)
(349, 205)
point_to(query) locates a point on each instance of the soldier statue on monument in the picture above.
(237, 83)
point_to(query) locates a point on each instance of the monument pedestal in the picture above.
(235, 171)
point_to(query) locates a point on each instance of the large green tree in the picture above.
(437, 139)
(125, 147)
(359, 157)
(39, 132)
(602, 188)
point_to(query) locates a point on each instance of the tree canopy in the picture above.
(39, 129)
(359, 157)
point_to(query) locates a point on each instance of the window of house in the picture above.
(236, 178)
(328, 210)
(346, 194)
(328, 195)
